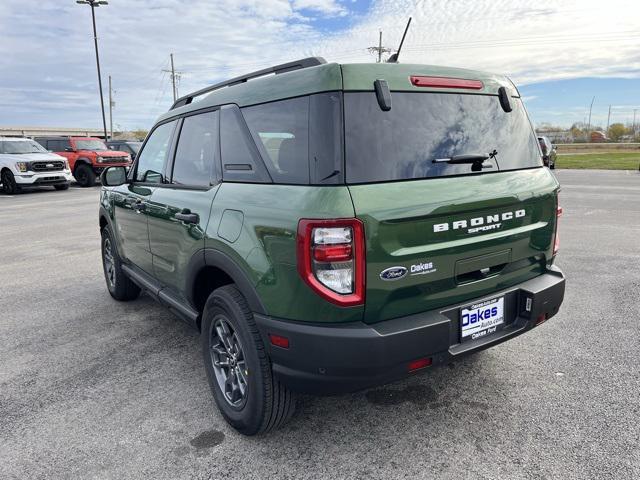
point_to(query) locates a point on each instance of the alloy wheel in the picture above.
(229, 365)
(109, 263)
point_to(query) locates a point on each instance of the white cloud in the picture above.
(48, 65)
(329, 7)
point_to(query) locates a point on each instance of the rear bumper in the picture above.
(333, 359)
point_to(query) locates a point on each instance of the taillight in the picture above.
(445, 82)
(331, 259)
(556, 239)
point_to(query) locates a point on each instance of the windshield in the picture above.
(402, 143)
(18, 147)
(95, 145)
(135, 146)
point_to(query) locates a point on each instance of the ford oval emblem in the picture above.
(393, 273)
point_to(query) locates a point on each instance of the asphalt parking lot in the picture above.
(93, 388)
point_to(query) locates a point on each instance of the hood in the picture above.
(33, 157)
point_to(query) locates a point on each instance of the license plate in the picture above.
(481, 319)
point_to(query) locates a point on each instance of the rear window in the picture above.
(402, 143)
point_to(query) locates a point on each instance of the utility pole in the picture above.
(175, 77)
(93, 4)
(111, 105)
(589, 125)
(606, 132)
(379, 50)
(634, 123)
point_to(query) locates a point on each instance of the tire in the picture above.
(552, 166)
(266, 404)
(9, 185)
(119, 285)
(64, 186)
(85, 175)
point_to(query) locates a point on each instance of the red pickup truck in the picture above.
(87, 156)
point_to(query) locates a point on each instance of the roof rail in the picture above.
(284, 68)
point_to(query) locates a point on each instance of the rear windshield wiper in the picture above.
(475, 159)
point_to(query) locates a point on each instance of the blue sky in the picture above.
(559, 52)
(563, 102)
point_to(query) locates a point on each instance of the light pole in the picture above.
(93, 4)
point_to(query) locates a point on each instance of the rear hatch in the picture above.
(441, 233)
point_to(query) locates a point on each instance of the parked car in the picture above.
(549, 152)
(26, 164)
(129, 146)
(335, 227)
(87, 156)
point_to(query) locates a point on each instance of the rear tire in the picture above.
(119, 285)
(552, 166)
(64, 186)
(85, 176)
(230, 339)
(9, 185)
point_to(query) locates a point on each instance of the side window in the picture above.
(196, 151)
(64, 144)
(241, 160)
(150, 162)
(282, 129)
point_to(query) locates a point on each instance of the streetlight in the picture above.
(93, 4)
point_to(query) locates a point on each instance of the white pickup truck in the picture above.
(24, 163)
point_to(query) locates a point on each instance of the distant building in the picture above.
(556, 136)
(21, 131)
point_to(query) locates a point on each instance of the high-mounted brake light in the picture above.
(331, 259)
(556, 236)
(445, 82)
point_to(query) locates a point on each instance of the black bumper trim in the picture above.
(337, 358)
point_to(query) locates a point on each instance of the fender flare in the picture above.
(209, 257)
(80, 161)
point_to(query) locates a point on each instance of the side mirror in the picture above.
(68, 149)
(114, 176)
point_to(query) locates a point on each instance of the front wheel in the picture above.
(119, 285)
(9, 185)
(552, 166)
(85, 176)
(249, 396)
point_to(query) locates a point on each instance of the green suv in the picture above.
(333, 227)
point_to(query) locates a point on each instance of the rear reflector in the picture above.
(541, 318)
(418, 364)
(279, 341)
(445, 82)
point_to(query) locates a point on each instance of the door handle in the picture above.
(139, 206)
(187, 217)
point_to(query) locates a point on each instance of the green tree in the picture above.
(140, 134)
(617, 131)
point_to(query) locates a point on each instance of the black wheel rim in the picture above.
(109, 264)
(228, 360)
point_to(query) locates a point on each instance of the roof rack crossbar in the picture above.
(283, 68)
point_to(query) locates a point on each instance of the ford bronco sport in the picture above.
(87, 156)
(333, 227)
